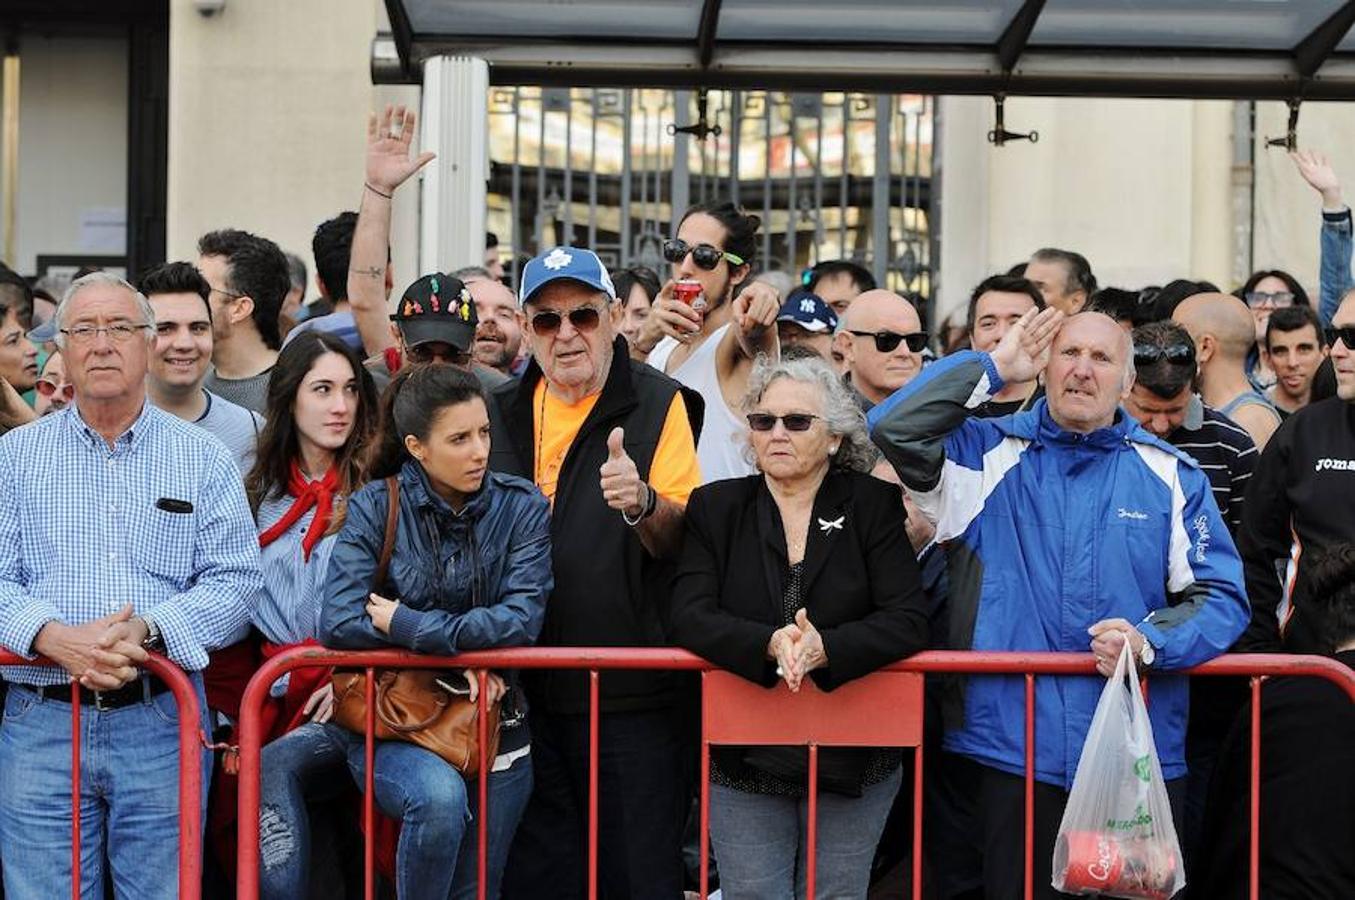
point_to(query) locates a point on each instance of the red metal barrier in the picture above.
(809, 717)
(191, 743)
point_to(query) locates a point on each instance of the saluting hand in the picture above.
(622, 487)
(1024, 349)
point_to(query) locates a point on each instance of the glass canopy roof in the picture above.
(1180, 48)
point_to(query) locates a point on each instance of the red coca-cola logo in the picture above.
(1100, 870)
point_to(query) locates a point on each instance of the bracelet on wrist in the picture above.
(646, 510)
(369, 187)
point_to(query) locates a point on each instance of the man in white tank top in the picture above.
(711, 349)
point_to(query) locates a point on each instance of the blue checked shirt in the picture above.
(83, 533)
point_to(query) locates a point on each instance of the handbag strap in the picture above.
(388, 543)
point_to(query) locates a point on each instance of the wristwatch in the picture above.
(1147, 654)
(155, 640)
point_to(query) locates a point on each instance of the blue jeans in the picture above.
(760, 841)
(437, 855)
(129, 797)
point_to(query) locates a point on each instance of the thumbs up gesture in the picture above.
(621, 485)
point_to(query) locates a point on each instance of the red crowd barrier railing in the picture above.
(191, 743)
(882, 709)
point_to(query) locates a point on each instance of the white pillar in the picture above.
(961, 184)
(456, 128)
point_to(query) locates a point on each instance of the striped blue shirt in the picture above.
(84, 531)
(287, 607)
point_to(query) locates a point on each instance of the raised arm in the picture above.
(1335, 236)
(388, 166)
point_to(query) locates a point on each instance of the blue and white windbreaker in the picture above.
(1049, 531)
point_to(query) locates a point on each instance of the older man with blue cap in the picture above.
(612, 443)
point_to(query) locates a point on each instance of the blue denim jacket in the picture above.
(1335, 277)
(472, 580)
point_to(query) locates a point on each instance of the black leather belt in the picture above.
(138, 691)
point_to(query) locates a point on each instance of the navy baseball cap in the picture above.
(437, 307)
(574, 263)
(809, 311)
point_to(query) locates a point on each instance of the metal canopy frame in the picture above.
(1314, 68)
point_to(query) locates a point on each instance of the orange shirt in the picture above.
(674, 472)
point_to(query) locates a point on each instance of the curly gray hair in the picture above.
(840, 412)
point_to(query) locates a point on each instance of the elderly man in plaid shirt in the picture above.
(122, 530)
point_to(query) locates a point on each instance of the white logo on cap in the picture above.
(807, 306)
(557, 259)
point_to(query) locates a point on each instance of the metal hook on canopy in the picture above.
(1290, 141)
(1000, 135)
(700, 129)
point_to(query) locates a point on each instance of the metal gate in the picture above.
(833, 176)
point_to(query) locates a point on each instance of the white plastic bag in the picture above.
(1117, 838)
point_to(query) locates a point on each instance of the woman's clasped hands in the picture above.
(797, 649)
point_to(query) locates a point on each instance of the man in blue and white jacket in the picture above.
(1065, 525)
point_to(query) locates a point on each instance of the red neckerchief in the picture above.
(318, 494)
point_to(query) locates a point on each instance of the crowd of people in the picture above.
(792, 479)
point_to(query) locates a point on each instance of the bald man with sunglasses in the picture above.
(882, 342)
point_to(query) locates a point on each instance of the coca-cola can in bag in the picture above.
(1094, 862)
(1099, 862)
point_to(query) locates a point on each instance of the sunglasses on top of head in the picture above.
(1176, 354)
(704, 255)
(583, 318)
(1343, 333)
(888, 341)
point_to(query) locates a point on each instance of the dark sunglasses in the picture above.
(887, 341)
(704, 255)
(792, 421)
(436, 351)
(1343, 333)
(583, 318)
(1176, 354)
(1274, 298)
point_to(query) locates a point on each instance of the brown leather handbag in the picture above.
(418, 706)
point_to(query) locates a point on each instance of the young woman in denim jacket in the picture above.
(470, 570)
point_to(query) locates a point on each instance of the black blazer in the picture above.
(861, 586)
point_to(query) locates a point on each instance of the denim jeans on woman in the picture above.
(129, 797)
(759, 841)
(436, 857)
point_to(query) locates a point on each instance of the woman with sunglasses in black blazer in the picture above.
(802, 570)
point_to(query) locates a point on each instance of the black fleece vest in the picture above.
(609, 592)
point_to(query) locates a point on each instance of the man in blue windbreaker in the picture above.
(1065, 526)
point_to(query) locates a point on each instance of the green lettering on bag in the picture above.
(1141, 818)
(1143, 767)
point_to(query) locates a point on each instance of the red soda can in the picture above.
(1094, 862)
(688, 291)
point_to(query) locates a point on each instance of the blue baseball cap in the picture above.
(809, 311)
(574, 263)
